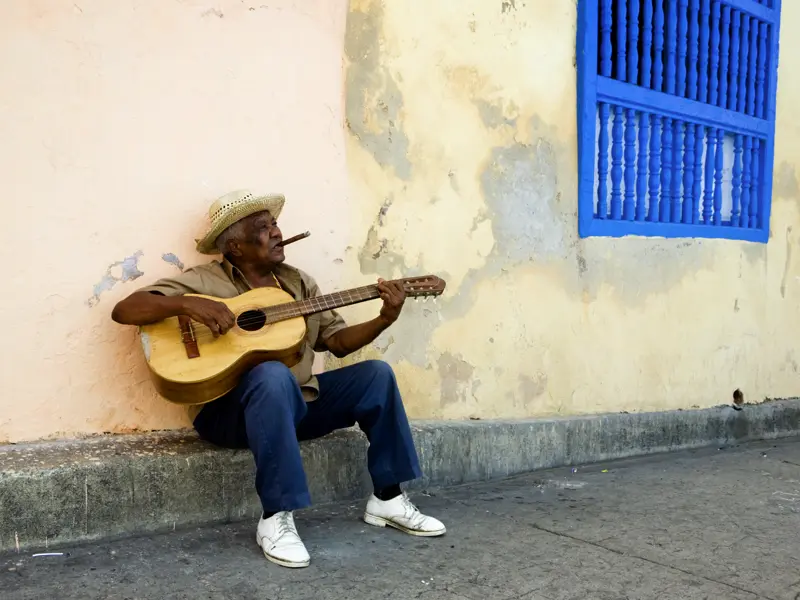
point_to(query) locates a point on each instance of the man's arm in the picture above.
(144, 308)
(353, 338)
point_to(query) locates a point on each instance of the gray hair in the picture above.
(233, 233)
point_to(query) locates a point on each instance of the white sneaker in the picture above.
(400, 513)
(278, 538)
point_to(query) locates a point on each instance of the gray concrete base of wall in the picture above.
(56, 493)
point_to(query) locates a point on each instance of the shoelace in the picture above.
(416, 518)
(286, 525)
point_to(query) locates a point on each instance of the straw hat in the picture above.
(233, 207)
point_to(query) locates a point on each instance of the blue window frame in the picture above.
(676, 117)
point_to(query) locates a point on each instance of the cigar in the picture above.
(291, 240)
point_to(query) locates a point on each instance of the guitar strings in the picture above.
(274, 314)
(277, 313)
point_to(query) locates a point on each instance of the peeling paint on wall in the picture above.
(520, 188)
(121, 271)
(374, 101)
(173, 260)
(788, 264)
(532, 386)
(456, 375)
(492, 114)
(785, 185)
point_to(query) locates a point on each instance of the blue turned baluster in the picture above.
(672, 42)
(747, 163)
(683, 28)
(622, 40)
(713, 81)
(698, 173)
(677, 170)
(641, 167)
(616, 164)
(724, 54)
(647, 44)
(633, 41)
(655, 167)
(761, 76)
(666, 171)
(602, 163)
(705, 37)
(688, 174)
(694, 32)
(606, 22)
(755, 194)
(752, 68)
(744, 63)
(658, 47)
(733, 88)
(736, 181)
(708, 193)
(719, 164)
(630, 166)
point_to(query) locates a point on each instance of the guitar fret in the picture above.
(318, 304)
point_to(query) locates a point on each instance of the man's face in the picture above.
(261, 238)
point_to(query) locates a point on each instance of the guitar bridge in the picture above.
(187, 336)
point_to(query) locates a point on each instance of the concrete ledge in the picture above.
(64, 492)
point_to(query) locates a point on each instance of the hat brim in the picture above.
(272, 203)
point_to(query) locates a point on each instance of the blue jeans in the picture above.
(268, 414)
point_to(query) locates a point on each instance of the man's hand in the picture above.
(393, 296)
(214, 315)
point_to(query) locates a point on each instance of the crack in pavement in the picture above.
(620, 553)
(649, 560)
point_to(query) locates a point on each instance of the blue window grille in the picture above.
(676, 117)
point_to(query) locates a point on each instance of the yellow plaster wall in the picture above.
(461, 153)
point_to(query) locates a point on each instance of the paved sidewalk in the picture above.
(710, 524)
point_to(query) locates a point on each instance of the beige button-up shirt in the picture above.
(223, 280)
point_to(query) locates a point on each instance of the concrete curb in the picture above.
(56, 493)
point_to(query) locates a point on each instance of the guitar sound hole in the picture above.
(251, 320)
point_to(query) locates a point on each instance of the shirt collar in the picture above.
(288, 276)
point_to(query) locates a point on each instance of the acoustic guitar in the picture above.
(189, 365)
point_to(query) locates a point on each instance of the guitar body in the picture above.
(220, 362)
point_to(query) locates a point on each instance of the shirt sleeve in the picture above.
(188, 282)
(330, 321)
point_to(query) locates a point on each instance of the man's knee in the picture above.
(269, 377)
(379, 369)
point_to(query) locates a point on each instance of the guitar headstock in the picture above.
(424, 286)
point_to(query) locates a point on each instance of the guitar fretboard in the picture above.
(318, 304)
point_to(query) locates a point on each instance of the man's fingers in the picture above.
(401, 292)
(212, 325)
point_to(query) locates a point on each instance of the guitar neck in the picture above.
(319, 304)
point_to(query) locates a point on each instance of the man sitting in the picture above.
(273, 407)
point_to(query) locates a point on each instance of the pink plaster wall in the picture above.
(119, 123)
